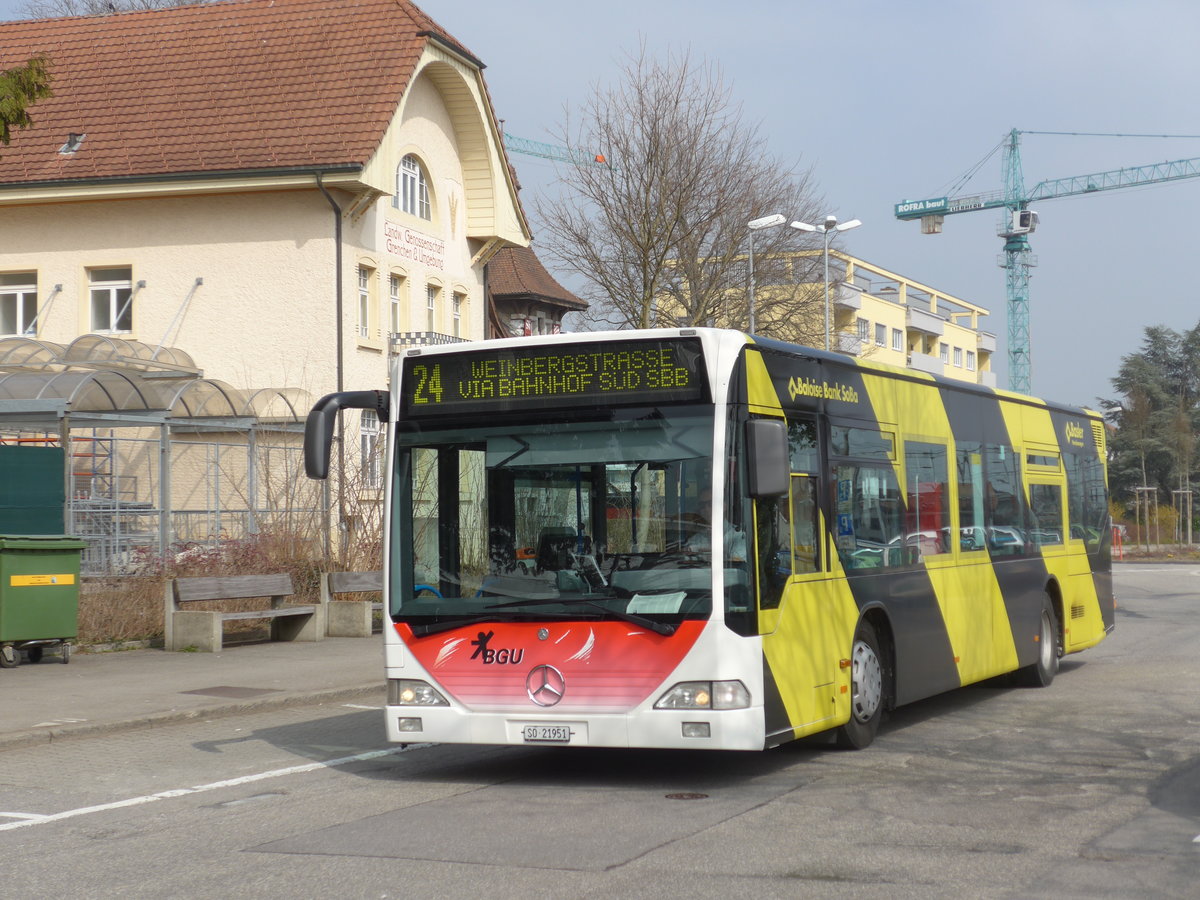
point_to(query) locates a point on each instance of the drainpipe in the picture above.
(341, 442)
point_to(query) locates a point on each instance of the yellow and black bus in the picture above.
(699, 538)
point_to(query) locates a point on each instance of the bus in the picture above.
(698, 538)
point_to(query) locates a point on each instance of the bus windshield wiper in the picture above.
(451, 624)
(631, 618)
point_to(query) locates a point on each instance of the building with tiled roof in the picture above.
(225, 177)
(525, 297)
(288, 191)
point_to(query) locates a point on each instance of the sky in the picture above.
(889, 101)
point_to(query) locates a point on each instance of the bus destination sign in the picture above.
(547, 376)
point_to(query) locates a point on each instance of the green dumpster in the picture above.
(39, 595)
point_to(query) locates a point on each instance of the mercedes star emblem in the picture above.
(545, 685)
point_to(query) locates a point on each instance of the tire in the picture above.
(65, 653)
(10, 657)
(1042, 672)
(868, 694)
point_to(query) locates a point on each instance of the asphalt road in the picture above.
(1088, 789)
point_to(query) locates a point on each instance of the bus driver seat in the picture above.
(555, 546)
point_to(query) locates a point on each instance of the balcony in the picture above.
(987, 342)
(923, 362)
(850, 344)
(987, 379)
(845, 295)
(924, 322)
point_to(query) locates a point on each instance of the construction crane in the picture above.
(515, 144)
(1020, 221)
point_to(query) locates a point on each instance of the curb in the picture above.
(34, 736)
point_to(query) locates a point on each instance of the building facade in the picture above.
(288, 191)
(285, 188)
(878, 314)
(890, 318)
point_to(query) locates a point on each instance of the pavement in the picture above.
(103, 692)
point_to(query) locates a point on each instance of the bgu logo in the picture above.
(504, 656)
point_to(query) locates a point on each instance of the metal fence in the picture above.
(217, 491)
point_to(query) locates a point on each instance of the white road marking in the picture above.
(25, 819)
(4, 815)
(359, 706)
(1163, 569)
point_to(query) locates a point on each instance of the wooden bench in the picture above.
(202, 629)
(349, 618)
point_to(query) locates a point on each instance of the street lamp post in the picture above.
(754, 225)
(827, 228)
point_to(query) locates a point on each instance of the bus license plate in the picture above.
(547, 734)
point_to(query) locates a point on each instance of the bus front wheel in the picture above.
(866, 690)
(1042, 672)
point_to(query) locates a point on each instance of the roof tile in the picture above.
(217, 87)
(516, 273)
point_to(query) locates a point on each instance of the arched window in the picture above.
(412, 191)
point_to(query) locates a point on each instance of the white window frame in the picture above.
(897, 339)
(18, 303)
(396, 303)
(864, 331)
(457, 313)
(880, 334)
(971, 360)
(369, 431)
(958, 357)
(412, 189)
(365, 276)
(114, 296)
(431, 297)
(945, 353)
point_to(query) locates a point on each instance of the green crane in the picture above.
(1020, 221)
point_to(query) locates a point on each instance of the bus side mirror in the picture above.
(767, 453)
(318, 427)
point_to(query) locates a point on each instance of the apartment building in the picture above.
(888, 317)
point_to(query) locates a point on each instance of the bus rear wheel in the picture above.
(866, 690)
(1042, 672)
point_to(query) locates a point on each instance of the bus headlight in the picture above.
(705, 695)
(411, 692)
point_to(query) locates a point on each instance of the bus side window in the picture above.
(1087, 499)
(927, 517)
(971, 495)
(808, 541)
(772, 548)
(869, 526)
(1005, 502)
(1045, 502)
(806, 531)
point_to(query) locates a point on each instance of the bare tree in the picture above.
(658, 233)
(20, 88)
(45, 9)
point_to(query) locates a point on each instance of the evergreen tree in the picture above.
(1156, 415)
(20, 88)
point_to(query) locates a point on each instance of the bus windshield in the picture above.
(604, 518)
